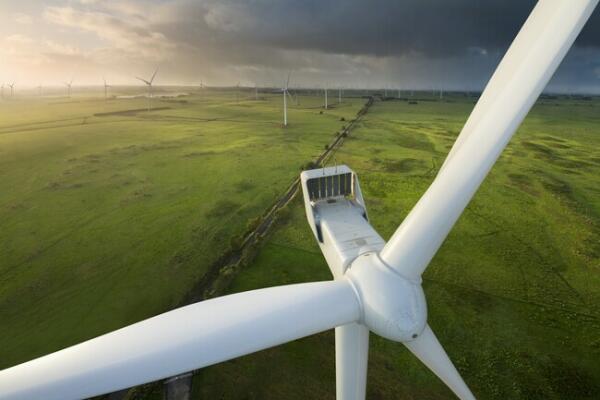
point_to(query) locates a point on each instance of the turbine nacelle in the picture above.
(392, 306)
(337, 215)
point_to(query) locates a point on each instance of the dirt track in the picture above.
(205, 287)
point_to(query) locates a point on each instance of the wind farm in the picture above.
(257, 239)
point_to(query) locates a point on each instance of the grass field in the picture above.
(514, 292)
(109, 216)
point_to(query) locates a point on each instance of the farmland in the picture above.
(513, 293)
(110, 213)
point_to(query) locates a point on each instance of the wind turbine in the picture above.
(68, 85)
(376, 286)
(286, 93)
(149, 84)
(12, 89)
(340, 95)
(326, 97)
(106, 86)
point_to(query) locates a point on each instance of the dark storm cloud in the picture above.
(409, 43)
(434, 28)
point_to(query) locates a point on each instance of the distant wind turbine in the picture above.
(340, 94)
(106, 86)
(285, 93)
(68, 85)
(149, 84)
(326, 97)
(12, 89)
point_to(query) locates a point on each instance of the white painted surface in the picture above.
(351, 359)
(392, 306)
(429, 350)
(182, 340)
(346, 234)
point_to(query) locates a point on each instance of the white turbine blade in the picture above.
(524, 71)
(287, 83)
(351, 359)
(153, 75)
(143, 80)
(431, 353)
(290, 96)
(182, 340)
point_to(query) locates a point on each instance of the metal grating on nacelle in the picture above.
(329, 186)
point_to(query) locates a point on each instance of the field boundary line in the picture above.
(209, 284)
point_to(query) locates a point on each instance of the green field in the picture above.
(514, 292)
(109, 216)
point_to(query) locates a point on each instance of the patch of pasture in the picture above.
(513, 293)
(110, 214)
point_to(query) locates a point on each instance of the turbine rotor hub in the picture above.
(393, 306)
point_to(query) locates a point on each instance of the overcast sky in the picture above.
(454, 44)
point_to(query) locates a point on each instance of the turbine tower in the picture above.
(326, 97)
(12, 89)
(340, 95)
(106, 86)
(68, 85)
(286, 93)
(376, 286)
(149, 84)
